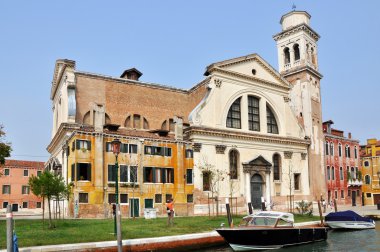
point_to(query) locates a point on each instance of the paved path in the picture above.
(362, 210)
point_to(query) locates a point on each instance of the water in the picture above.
(347, 241)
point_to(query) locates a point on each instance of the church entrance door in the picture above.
(256, 191)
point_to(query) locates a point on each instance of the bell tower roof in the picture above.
(294, 18)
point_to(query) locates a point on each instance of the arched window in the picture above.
(331, 148)
(276, 166)
(340, 149)
(348, 154)
(271, 121)
(146, 124)
(328, 172)
(234, 160)
(356, 152)
(286, 55)
(327, 147)
(127, 122)
(296, 49)
(341, 173)
(353, 173)
(234, 115)
(367, 179)
(332, 173)
(253, 113)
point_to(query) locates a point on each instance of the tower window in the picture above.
(296, 49)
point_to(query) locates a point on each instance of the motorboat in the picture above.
(270, 230)
(348, 220)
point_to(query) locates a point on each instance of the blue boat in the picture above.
(348, 220)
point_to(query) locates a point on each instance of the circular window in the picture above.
(254, 71)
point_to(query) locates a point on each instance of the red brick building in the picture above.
(342, 164)
(14, 184)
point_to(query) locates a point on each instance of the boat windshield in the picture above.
(262, 221)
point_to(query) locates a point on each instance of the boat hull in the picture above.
(241, 239)
(350, 225)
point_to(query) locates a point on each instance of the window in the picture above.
(368, 195)
(38, 205)
(366, 163)
(111, 173)
(25, 189)
(148, 203)
(327, 148)
(189, 198)
(234, 156)
(158, 198)
(271, 121)
(73, 172)
(83, 145)
(158, 175)
(296, 52)
(158, 178)
(111, 198)
(336, 194)
(133, 174)
(341, 173)
(328, 173)
(331, 148)
(148, 174)
(287, 55)
(123, 173)
(133, 148)
(6, 172)
(108, 147)
(206, 181)
(340, 149)
(367, 179)
(348, 154)
(6, 189)
(353, 173)
(158, 151)
(276, 167)
(123, 198)
(332, 173)
(234, 116)
(26, 173)
(168, 197)
(254, 113)
(297, 177)
(5, 204)
(83, 197)
(24, 204)
(189, 153)
(356, 152)
(189, 176)
(342, 194)
(124, 148)
(39, 173)
(84, 171)
(168, 175)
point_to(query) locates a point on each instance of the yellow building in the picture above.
(370, 160)
(152, 168)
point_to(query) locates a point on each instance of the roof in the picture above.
(294, 12)
(23, 164)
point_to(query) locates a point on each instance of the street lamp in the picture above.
(117, 229)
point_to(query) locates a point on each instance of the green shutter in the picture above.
(78, 144)
(89, 145)
(73, 145)
(73, 172)
(163, 175)
(154, 174)
(89, 172)
(144, 174)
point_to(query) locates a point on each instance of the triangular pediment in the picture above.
(250, 66)
(259, 161)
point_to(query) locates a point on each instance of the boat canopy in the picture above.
(346, 216)
(288, 217)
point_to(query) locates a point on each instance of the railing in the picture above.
(287, 66)
(354, 182)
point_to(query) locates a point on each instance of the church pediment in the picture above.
(259, 161)
(251, 66)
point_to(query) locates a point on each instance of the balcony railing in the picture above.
(354, 182)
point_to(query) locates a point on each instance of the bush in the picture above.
(304, 207)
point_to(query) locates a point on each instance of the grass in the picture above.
(33, 233)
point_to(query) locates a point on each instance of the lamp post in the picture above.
(117, 227)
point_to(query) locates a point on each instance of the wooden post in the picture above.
(250, 208)
(320, 212)
(335, 206)
(9, 218)
(228, 213)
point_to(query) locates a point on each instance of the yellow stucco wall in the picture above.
(370, 162)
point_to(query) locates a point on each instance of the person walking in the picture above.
(170, 211)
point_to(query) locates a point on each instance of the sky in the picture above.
(171, 43)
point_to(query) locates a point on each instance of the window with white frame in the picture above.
(271, 121)
(83, 197)
(6, 189)
(356, 152)
(328, 172)
(340, 149)
(341, 173)
(234, 115)
(327, 148)
(6, 172)
(367, 179)
(25, 189)
(331, 148)
(26, 173)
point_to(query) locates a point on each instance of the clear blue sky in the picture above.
(172, 42)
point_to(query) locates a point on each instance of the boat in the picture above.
(348, 220)
(270, 230)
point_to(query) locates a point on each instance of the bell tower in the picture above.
(298, 63)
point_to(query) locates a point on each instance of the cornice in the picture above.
(301, 69)
(61, 132)
(205, 131)
(249, 78)
(295, 29)
(341, 138)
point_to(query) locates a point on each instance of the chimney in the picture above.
(328, 126)
(349, 135)
(131, 74)
(178, 128)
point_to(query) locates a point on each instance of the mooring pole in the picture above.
(320, 212)
(335, 206)
(9, 218)
(250, 208)
(228, 213)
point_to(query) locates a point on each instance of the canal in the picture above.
(364, 240)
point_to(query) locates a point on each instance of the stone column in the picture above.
(248, 187)
(291, 52)
(267, 189)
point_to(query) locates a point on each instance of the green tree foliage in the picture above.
(49, 186)
(5, 147)
(305, 207)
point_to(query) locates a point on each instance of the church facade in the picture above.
(250, 133)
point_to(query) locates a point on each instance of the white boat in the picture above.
(348, 220)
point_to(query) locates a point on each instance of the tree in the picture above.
(5, 147)
(47, 186)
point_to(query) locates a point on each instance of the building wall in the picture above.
(348, 182)
(16, 180)
(99, 188)
(370, 161)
